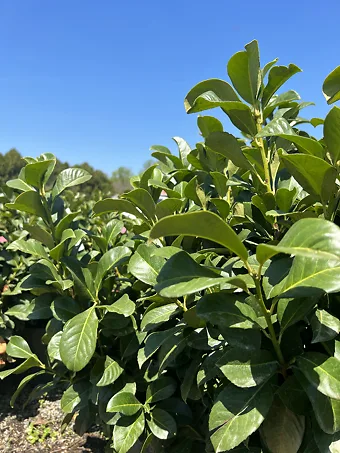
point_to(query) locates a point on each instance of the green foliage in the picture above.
(212, 324)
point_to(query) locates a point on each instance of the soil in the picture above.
(43, 414)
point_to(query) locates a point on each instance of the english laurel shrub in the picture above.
(212, 324)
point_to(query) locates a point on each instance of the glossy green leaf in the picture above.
(144, 265)
(125, 403)
(35, 172)
(30, 246)
(127, 431)
(209, 124)
(331, 86)
(310, 238)
(64, 223)
(332, 133)
(153, 342)
(69, 178)
(40, 234)
(123, 306)
(30, 202)
(244, 72)
(162, 424)
(82, 277)
(325, 326)
(167, 207)
(202, 224)
(18, 347)
(107, 261)
(161, 389)
(279, 127)
(23, 384)
(65, 308)
(143, 200)
(315, 175)
(181, 275)
(225, 309)
(282, 430)
(53, 347)
(309, 277)
(19, 184)
(184, 149)
(75, 397)
(237, 413)
(157, 316)
(326, 410)
(291, 311)
(217, 93)
(280, 100)
(58, 251)
(171, 349)
(278, 75)
(29, 363)
(79, 338)
(247, 369)
(209, 94)
(115, 205)
(322, 372)
(112, 371)
(227, 145)
(327, 443)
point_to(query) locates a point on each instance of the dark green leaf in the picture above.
(114, 205)
(244, 72)
(181, 275)
(144, 265)
(326, 410)
(30, 202)
(315, 175)
(143, 200)
(22, 384)
(69, 178)
(332, 133)
(202, 224)
(125, 403)
(107, 261)
(167, 207)
(35, 172)
(157, 316)
(112, 371)
(322, 372)
(331, 86)
(279, 127)
(312, 238)
(247, 369)
(278, 75)
(227, 145)
(75, 397)
(123, 306)
(282, 430)
(127, 431)
(290, 311)
(162, 424)
(209, 124)
(161, 389)
(325, 326)
(237, 413)
(78, 341)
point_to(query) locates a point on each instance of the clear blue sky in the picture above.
(102, 81)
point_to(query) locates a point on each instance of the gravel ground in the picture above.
(15, 425)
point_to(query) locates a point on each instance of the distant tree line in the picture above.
(11, 163)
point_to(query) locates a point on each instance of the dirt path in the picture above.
(39, 419)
